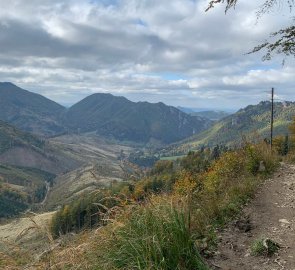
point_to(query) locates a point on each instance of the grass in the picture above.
(30, 236)
(155, 237)
(173, 231)
(264, 247)
(162, 232)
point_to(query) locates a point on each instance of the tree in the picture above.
(281, 144)
(281, 41)
(215, 152)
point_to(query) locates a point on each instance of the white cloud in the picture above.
(164, 50)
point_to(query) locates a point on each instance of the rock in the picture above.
(285, 221)
(261, 167)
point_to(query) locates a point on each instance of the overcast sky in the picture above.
(153, 50)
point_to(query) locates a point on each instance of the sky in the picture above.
(146, 50)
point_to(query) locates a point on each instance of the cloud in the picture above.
(162, 50)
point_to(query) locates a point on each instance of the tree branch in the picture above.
(284, 43)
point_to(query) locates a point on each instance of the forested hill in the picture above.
(247, 121)
(105, 114)
(123, 119)
(29, 111)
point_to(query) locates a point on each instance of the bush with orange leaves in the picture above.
(217, 194)
(226, 169)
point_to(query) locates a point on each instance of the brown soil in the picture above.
(271, 214)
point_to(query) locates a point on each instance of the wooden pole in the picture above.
(272, 116)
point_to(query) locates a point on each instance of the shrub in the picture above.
(229, 183)
(264, 247)
(162, 166)
(186, 183)
(262, 152)
(281, 145)
(253, 159)
(225, 170)
(195, 162)
(86, 212)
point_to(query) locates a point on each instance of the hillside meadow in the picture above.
(167, 220)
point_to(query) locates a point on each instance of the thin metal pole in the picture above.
(271, 120)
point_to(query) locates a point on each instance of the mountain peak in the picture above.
(122, 119)
(107, 115)
(7, 83)
(29, 111)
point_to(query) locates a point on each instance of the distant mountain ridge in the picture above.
(252, 119)
(105, 114)
(213, 115)
(123, 119)
(29, 111)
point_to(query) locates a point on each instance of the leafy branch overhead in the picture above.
(229, 4)
(284, 43)
(281, 41)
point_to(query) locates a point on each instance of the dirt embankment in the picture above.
(271, 214)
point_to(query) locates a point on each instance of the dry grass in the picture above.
(165, 231)
(22, 240)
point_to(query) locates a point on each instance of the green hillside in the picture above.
(122, 119)
(250, 121)
(29, 111)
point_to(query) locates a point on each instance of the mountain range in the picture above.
(213, 115)
(123, 119)
(104, 114)
(118, 118)
(254, 119)
(83, 161)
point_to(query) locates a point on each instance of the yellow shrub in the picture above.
(226, 169)
(186, 183)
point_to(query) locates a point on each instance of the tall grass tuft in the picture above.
(156, 236)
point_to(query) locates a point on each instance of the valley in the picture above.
(102, 162)
(107, 147)
(82, 148)
(147, 135)
(81, 163)
(92, 150)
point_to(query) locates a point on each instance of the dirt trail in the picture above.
(46, 195)
(270, 214)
